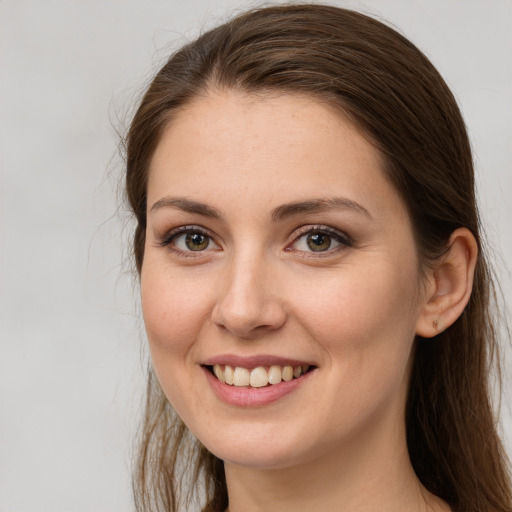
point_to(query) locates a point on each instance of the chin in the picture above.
(260, 456)
(260, 444)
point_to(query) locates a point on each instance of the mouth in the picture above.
(259, 376)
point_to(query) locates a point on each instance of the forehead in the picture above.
(273, 148)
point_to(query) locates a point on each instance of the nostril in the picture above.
(251, 322)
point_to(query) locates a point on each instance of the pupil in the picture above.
(318, 242)
(196, 241)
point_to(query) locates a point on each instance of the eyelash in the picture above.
(343, 239)
(169, 239)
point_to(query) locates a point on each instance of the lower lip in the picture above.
(252, 397)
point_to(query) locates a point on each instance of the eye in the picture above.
(320, 240)
(192, 242)
(189, 239)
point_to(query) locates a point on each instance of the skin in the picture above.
(352, 311)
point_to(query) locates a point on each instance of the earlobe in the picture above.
(450, 285)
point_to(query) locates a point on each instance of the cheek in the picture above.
(174, 314)
(364, 323)
(363, 314)
(174, 311)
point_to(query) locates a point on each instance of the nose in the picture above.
(248, 303)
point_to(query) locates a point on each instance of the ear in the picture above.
(449, 285)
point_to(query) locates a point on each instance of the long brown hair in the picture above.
(396, 97)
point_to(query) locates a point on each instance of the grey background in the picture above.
(71, 339)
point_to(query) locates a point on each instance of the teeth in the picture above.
(228, 374)
(258, 377)
(241, 377)
(217, 370)
(287, 373)
(274, 375)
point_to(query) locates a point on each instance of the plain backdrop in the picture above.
(71, 339)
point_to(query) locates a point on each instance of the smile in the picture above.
(255, 381)
(258, 377)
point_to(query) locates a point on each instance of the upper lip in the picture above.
(253, 361)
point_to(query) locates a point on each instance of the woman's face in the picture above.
(273, 241)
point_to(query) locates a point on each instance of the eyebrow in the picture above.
(317, 206)
(187, 205)
(285, 210)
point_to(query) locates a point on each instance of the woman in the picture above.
(314, 290)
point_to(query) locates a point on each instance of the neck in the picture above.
(370, 474)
